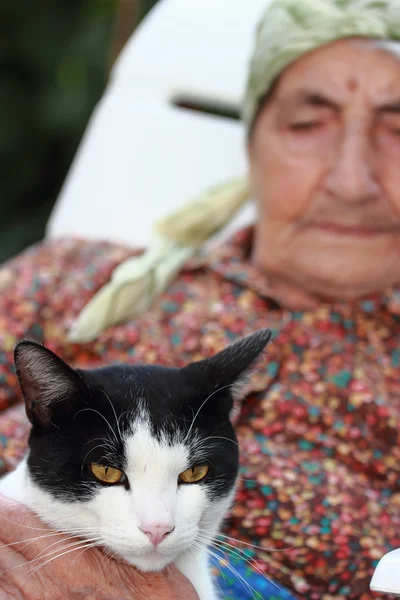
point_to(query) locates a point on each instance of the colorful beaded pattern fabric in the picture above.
(319, 492)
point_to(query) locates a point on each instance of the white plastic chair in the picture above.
(143, 156)
(386, 576)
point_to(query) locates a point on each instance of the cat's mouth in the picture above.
(142, 556)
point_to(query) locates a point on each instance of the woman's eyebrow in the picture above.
(389, 107)
(305, 98)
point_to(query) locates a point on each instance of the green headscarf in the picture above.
(288, 30)
(291, 28)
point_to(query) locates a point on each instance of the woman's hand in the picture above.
(83, 575)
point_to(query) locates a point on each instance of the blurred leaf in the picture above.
(52, 73)
(53, 67)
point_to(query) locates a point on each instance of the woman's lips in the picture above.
(354, 230)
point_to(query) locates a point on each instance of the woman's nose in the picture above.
(351, 177)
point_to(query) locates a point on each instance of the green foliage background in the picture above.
(53, 69)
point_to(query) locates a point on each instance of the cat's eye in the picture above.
(107, 474)
(194, 474)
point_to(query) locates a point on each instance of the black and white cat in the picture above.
(142, 459)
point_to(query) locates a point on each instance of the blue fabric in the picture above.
(235, 578)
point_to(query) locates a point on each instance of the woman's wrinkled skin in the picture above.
(78, 575)
(324, 164)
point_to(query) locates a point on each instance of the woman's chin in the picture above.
(345, 273)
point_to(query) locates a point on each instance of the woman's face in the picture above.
(325, 169)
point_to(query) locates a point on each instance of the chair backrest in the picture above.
(143, 154)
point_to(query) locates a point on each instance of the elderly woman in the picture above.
(319, 431)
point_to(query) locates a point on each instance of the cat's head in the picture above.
(142, 459)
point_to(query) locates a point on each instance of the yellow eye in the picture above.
(194, 474)
(106, 474)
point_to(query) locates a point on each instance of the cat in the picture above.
(141, 458)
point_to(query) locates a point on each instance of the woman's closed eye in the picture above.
(391, 123)
(194, 474)
(107, 474)
(305, 125)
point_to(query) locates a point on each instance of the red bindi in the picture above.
(352, 84)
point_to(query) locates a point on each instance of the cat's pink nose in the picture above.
(156, 532)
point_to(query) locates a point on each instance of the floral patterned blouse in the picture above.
(318, 501)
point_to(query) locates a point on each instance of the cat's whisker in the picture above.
(235, 504)
(105, 441)
(61, 541)
(84, 550)
(22, 524)
(126, 412)
(214, 560)
(201, 406)
(192, 411)
(46, 529)
(263, 548)
(232, 551)
(109, 555)
(85, 546)
(221, 437)
(90, 451)
(15, 567)
(115, 414)
(23, 564)
(29, 541)
(176, 418)
(252, 562)
(58, 552)
(100, 415)
(235, 551)
(245, 584)
(44, 553)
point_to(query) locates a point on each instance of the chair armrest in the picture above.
(386, 577)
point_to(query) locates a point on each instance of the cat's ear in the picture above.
(231, 368)
(49, 386)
